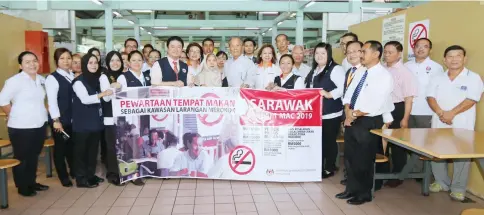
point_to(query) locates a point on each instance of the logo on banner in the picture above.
(270, 172)
(160, 118)
(417, 32)
(204, 117)
(242, 160)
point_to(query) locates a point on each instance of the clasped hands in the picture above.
(446, 116)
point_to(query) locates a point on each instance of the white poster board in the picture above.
(416, 30)
(393, 29)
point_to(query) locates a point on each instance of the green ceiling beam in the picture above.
(185, 23)
(193, 5)
(196, 33)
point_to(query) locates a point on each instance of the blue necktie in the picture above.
(355, 95)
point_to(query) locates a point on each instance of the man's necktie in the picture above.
(175, 68)
(350, 76)
(355, 95)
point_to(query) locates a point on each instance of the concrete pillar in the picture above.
(324, 29)
(207, 15)
(222, 44)
(190, 39)
(153, 41)
(355, 6)
(299, 27)
(259, 40)
(108, 23)
(137, 35)
(72, 17)
(274, 35)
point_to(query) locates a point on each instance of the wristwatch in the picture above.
(56, 120)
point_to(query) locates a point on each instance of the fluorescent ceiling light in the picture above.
(206, 28)
(131, 22)
(97, 2)
(251, 28)
(293, 15)
(142, 28)
(149, 33)
(279, 23)
(310, 4)
(263, 34)
(163, 27)
(270, 29)
(117, 14)
(142, 11)
(269, 12)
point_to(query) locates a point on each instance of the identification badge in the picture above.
(463, 88)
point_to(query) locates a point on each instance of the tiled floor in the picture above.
(163, 197)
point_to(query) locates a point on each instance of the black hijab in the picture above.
(92, 79)
(110, 72)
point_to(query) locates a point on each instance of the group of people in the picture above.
(362, 94)
(393, 94)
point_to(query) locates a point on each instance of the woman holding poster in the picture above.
(329, 76)
(287, 80)
(134, 78)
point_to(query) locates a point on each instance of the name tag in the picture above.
(463, 88)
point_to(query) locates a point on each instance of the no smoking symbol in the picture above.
(242, 160)
(418, 31)
(203, 117)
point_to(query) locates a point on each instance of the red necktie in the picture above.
(175, 68)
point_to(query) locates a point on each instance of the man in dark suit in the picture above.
(249, 47)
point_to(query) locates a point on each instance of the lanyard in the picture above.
(350, 78)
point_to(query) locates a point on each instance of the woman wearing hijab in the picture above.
(87, 122)
(114, 64)
(329, 76)
(210, 76)
(22, 100)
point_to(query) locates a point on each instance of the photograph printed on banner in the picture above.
(184, 144)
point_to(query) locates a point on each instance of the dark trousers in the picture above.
(103, 147)
(85, 156)
(27, 145)
(360, 153)
(398, 154)
(63, 152)
(111, 154)
(330, 147)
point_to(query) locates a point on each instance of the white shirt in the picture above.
(345, 64)
(279, 55)
(303, 70)
(251, 58)
(236, 71)
(83, 95)
(298, 84)
(52, 88)
(387, 117)
(145, 67)
(184, 161)
(260, 77)
(449, 94)
(166, 158)
(424, 72)
(192, 74)
(27, 99)
(375, 95)
(338, 78)
(105, 85)
(124, 84)
(155, 73)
